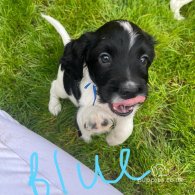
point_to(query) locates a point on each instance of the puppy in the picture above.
(105, 74)
(176, 5)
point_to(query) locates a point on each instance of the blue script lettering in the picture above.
(59, 173)
(123, 164)
(33, 174)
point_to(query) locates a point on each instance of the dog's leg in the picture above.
(57, 91)
(92, 120)
(122, 130)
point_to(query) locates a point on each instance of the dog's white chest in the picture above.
(88, 95)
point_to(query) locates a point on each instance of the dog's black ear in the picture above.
(74, 56)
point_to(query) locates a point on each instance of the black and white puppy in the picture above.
(105, 74)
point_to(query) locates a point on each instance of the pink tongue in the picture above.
(130, 102)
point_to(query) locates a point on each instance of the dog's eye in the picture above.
(104, 58)
(144, 59)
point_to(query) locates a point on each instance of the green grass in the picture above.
(164, 127)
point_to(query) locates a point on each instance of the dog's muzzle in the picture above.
(126, 107)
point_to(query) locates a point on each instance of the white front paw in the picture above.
(99, 125)
(55, 107)
(98, 122)
(93, 120)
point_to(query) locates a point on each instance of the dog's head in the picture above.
(118, 56)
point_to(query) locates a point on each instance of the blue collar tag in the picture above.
(94, 91)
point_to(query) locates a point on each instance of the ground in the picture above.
(163, 138)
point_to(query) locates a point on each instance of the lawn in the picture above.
(163, 137)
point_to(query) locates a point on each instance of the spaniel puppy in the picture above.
(176, 5)
(105, 74)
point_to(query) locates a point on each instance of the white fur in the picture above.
(129, 29)
(87, 97)
(57, 91)
(59, 28)
(123, 129)
(176, 5)
(89, 113)
(130, 84)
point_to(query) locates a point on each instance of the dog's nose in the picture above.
(130, 89)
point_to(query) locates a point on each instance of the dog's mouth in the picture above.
(126, 107)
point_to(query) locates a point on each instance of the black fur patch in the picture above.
(126, 63)
(71, 86)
